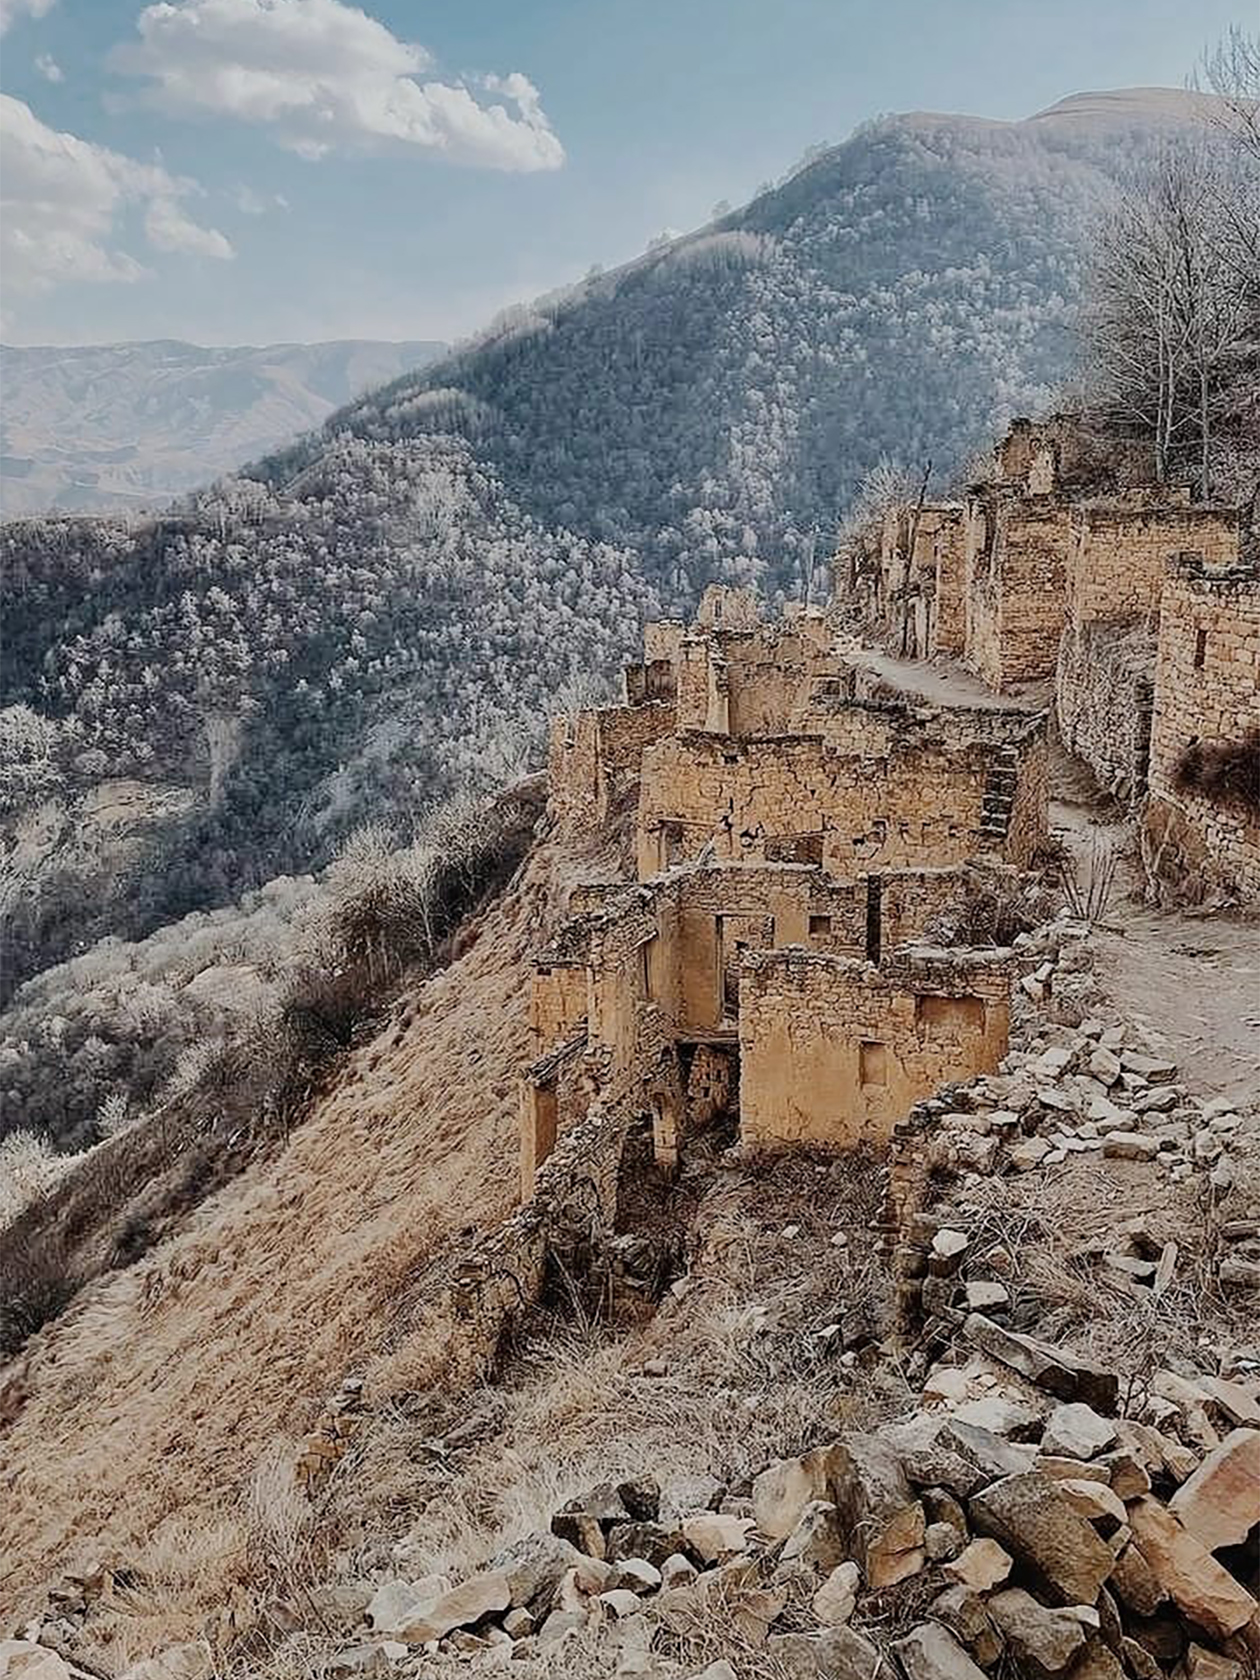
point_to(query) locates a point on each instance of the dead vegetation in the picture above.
(391, 918)
(1226, 772)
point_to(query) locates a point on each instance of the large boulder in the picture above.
(1220, 1503)
(1035, 1523)
(1189, 1574)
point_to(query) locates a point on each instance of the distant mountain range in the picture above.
(88, 428)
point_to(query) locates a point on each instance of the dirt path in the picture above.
(1190, 980)
(945, 684)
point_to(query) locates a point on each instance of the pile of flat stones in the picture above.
(1013, 1524)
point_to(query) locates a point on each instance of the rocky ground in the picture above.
(1024, 1440)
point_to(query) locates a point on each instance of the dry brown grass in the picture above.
(154, 1396)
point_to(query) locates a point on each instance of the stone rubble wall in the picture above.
(917, 807)
(1118, 553)
(1104, 695)
(835, 1051)
(594, 757)
(1207, 690)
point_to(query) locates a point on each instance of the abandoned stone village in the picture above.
(819, 939)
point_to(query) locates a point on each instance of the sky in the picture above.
(254, 171)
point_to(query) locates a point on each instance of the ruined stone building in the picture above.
(1055, 570)
(791, 843)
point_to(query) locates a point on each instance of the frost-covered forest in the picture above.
(388, 610)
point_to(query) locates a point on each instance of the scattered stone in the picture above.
(781, 1492)
(1130, 1146)
(1094, 1501)
(835, 1600)
(816, 1542)
(998, 1415)
(637, 1574)
(480, 1595)
(533, 1567)
(1037, 1525)
(518, 1623)
(984, 1295)
(641, 1498)
(981, 1566)
(930, 1652)
(713, 1536)
(1052, 1368)
(1188, 1573)
(395, 1604)
(677, 1571)
(559, 1624)
(1028, 1153)
(375, 1656)
(1077, 1431)
(941, 1542)
(877, 1510)
(1046, 1639)
(1220, 1503)
(620, 1603)
(836, 1653)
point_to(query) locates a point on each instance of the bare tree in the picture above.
(1167, 322)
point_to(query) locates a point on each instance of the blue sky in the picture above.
(242, 171)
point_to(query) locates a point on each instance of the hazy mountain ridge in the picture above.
(94, 427)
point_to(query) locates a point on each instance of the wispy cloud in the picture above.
(10, 9)
(326, 77)
(49, 69)
(61, 201)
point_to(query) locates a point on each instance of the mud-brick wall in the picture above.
(1118, 555)
(920, 805)
(835, 1051)
(1103, 696)
(1031, 590)
(1207, 691)
(559, 1000)
(594, 757)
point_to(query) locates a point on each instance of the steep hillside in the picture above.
(97, 426)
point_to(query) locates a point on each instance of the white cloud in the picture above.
(327, 77)
(61, 201)
(9, 9)
(49, 69)
(251, 203)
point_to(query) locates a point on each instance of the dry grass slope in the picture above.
(142, 1414)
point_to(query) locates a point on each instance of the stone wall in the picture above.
(593, 758)
(798, 799)
(1104, 688)
(1014, 574)
(836, 1051)
(1207, 695)
(1118, 552)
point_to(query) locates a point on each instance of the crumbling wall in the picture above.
(797, 799)
(594, 758)
(1207, 696)
(1118, 552)
(1014, 570)
(1103, 698)
(835, 1051)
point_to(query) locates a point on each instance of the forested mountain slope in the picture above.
(347, 629)
(90, 427)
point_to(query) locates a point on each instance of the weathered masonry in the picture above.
(1058, 566)
(1202, 817)
(796, 845)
